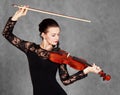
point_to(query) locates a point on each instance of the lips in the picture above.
(56, 41)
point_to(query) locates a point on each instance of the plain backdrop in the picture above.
(97, 42)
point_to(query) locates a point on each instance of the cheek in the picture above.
(50, 39)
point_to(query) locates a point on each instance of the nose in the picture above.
(57, 38)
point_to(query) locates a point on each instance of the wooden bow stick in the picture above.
(52, 13)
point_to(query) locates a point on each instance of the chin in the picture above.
(54, 44)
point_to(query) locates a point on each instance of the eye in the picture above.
(53, 35)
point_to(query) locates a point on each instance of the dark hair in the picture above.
(46, 23)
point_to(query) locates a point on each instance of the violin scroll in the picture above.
(105, 76)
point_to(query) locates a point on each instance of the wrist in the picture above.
(86, 71)
(14, 18)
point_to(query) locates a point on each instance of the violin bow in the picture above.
(53, 13)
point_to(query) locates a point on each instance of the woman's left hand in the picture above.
(93, 69)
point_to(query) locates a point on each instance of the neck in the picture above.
(46, 46)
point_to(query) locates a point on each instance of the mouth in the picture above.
(55, 42)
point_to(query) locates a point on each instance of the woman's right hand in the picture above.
(22, 11)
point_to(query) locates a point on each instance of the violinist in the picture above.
(42, 69)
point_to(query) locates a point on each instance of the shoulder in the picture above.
(32, 46)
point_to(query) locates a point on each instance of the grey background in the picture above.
(97, 42)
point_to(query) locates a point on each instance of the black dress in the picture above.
(42, 70)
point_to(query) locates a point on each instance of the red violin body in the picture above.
(62, 57)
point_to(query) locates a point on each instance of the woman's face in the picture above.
(52, 35)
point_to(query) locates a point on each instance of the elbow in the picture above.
(66, 82)
(3, 33)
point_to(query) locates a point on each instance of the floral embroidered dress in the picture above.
(42, 70)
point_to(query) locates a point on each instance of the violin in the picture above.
(63, 57)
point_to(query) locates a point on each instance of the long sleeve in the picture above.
(68, 79)
(17, 42)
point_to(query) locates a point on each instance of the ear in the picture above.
(43, 35)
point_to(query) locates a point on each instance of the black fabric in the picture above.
(42, 70)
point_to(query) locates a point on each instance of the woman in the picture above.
(42, 70)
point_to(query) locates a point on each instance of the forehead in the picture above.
(53, 30)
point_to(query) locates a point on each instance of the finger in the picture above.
(24, 10)
(20, 7)
(98, 69)
(93, 64)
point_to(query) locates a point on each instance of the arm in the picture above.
(66, 78)
(8, 29)
(19, 43)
